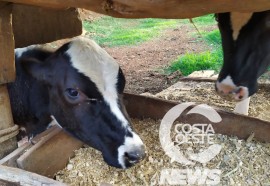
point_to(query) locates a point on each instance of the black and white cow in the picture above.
(81, 85)
(246, 48)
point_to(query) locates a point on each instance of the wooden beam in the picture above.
(7, 64)
(36, 25)
(231, 124)
(155, 8)
(7, 74)
(25, 178)
(6, 119)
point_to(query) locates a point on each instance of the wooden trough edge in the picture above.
(214, 79)
(46, 154)
(58, 146)
(232, 124)
(22, 177)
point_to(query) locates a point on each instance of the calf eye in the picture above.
(73, 93)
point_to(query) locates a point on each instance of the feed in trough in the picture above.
(241, 162)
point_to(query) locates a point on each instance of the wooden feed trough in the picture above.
(26, 22)
(48, 155)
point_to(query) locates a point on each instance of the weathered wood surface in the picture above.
(36, 25)
(5, 109)
(231, 124)
(11, 159)
(26, 178)
(7, 65)
(50, 154)
(6, 121)
(156, 8)
(7, 74)
(8, 183)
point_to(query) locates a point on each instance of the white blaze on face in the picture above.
(130, 144)
(238, 20)
(95, 63)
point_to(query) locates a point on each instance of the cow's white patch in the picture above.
(227, 82)
(95, 63)
(238, 20)
(227, 87)
(130, 144)
(19, 51)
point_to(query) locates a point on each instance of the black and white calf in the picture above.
(246, 48)
(81, 85)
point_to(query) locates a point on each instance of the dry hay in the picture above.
(204, 92)
(241, 162)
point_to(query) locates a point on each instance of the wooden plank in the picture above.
(231, 124)
(156, 8)
(26, 178)
(11, 159)
(8, 183)
(50, 154)
(35, 25)
(7, 65)
(6, 121)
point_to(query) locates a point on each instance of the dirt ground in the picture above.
(143, 67)
(143, 64)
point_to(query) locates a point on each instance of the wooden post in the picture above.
(7, 74)
(45, 26)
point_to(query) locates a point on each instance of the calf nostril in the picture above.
(134, 156)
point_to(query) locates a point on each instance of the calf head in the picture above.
(246, 46)
(85, 86)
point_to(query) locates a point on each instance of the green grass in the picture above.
(208, 60)
(213, 38)
(111, 32)
(193, 62)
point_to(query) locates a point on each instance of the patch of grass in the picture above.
(193, 62)
(208, 60)
(116, 32)
(213, 38)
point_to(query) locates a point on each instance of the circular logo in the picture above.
(188, 130)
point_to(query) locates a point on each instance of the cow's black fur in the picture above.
(47, 84)
(248, 57)
(29, 98)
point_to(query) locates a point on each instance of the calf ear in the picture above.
(36, 69)
(121, 81)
